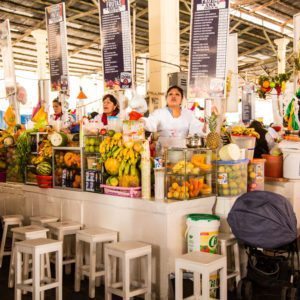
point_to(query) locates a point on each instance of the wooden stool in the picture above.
(92, 236)
(8, 220)
(26, 233)
(127, 251)
(63, 229)
(226, 240)
(37, 285)
(42, 220)
(204, 264)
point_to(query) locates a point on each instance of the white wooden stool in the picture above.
(127, 251)
(42, 220)
(200, 263)
(26, 233)
(63, 229)
(8, 220)
(92, 236)
(37, 285)
(226, 240)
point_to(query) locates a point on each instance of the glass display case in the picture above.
(67, 166)
(232, 177)
(36, 138)
(94, 174)
(189, 173)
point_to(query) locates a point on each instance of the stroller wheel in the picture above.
(244, 290)
(288, 293)
(292, 294)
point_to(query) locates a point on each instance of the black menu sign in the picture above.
(208, 45)
(57, 46)
(116, 43)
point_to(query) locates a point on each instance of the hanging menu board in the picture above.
(208, 47)
(57, 46)
(116, 44)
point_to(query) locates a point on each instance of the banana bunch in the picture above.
(45, 149)
(240, 130)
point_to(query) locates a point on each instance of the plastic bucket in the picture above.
(256, 175)
(245, 142)
(2, 176)
(202, 235)
(291, 163)
(273, 166)
(44, 181)
(202, 232)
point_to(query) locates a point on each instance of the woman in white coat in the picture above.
(173, 123)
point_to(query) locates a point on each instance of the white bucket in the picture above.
(202, 232)
(291, 163)
(202, 235)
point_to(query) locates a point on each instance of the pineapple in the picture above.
(213, 140)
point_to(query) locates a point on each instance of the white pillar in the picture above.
(164, 44)
(44, 81)
(281, 51)
(296, 21)
(232, 73)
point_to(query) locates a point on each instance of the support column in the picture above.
(296, 21)
(44, 81)
(164, 45)
(281, 51)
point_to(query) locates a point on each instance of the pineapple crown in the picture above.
(212, 122)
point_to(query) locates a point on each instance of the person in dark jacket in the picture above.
(265, 142)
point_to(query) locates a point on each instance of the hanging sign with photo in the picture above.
(208, 48)
(57, 46)
(116, 44)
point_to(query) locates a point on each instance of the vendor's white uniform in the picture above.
(173, 131)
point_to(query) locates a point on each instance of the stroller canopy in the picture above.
(263, 219)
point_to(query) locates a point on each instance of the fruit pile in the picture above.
(192, 188)
(91, 144)
(244, 131)
(232, 179)
(121, 160)
(256, 175)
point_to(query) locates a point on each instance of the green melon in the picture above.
(44, 168)
(58, 139)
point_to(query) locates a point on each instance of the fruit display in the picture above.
(13, 172)
(67, 167)
(232, 177)
(243, 131)
(189, 173)
(256, 175)
(120, 160)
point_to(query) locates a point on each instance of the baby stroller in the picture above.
(264, 222)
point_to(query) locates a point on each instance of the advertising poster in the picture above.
(57, 46)
(116, 44)
(208, 47)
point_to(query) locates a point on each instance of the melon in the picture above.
(44, 168)
(230, 152)
(58, 139)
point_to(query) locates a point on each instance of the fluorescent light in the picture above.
(18, 12)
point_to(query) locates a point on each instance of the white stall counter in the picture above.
(162, 224)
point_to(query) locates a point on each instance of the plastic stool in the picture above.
(37, 285)
(127, 251)
(228, 240)
(63, 229)
(8, 220)
(26, 233)
(204, 264)
(92, 236)
(42, 220)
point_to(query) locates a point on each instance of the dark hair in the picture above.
(259, 127)
(261, 145)
(180, 90)
(114, 100)
(93, 114)
(56, 100)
